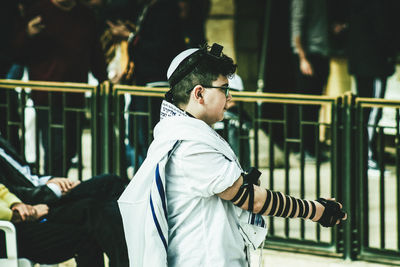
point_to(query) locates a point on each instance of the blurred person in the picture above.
(193, 15)
(309, 33)
(58, 41)
(99, 193)
(152, 44)
(9, 14)
(48, 241)
(372, 45)
(190, 203)
(49, 234)
(8, 18)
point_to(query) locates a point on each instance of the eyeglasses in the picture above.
(225, 89)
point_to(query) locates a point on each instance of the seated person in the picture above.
(44, 239)
(33, 189)
(99, 195)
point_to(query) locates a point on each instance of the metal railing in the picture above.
(378, 212)
(59, 114)
(335, 166)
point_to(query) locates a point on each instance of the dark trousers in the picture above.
(84, 223)
(101, 188)
(104, 220)
(310, 85)
(65, 234)
(372, 87)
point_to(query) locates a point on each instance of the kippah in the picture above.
(176, 74)
(178, 60)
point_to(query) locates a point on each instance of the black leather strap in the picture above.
(244, 197)
(274, 203)
(238, 194)
(306, 209)
(250, 206)
(287, 207)
(266, 203)
(294, 207)
(280, 208)
(313, 210)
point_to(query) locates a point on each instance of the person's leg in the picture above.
(312, 85)
(50, 243)
(102, 188)
(371, 87)
(101, 219)
(109, 234)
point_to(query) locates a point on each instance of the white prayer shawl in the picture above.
(143, 204)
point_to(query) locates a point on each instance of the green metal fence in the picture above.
(269, 141)
(59, 113)
(377, 206)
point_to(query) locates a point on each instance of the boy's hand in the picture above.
(329, 212)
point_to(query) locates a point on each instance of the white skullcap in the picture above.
(178, 59)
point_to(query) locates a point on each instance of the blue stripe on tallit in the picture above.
(160, 233)
(160, 188)
(253, 216)
(256, 219)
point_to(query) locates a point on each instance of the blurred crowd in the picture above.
(125, 41)
(306, 38)
(61, 40)
(132, 42)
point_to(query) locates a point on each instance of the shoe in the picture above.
(375, 170)
(373, 165)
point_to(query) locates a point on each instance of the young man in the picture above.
(189, 203)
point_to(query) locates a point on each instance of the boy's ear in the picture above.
(198, 93)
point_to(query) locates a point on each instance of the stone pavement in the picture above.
(274, 258)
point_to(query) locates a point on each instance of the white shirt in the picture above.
(144, 207)
(203, 228)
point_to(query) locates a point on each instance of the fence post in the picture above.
(349, 189)
(105, 127)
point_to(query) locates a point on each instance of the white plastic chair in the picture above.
(11, 248)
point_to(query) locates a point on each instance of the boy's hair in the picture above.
(203, 67)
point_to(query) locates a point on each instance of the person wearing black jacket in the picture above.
(43, 238)
(372, 46)
(91, 203)
(154, 43)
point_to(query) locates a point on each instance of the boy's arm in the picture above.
(266, 202)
